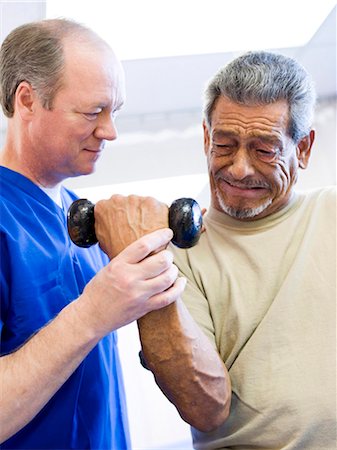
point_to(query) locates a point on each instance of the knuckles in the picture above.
(165, 259)
(144, 246)
(132, 201)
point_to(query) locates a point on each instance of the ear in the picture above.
(25, 97)
(206, 137)
(304, 149)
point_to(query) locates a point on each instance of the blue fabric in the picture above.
(41, 272)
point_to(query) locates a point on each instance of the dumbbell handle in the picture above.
(184, 218)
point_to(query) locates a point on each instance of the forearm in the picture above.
(186, 366)
(32, 375)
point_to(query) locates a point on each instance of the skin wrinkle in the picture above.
(240, 122)
(140, 220)
(244, 183)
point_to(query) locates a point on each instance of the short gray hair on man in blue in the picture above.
(260, 78)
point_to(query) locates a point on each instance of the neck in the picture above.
(15, 156)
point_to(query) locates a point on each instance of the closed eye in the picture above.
(91, 116)
(267, 153)
(223, 149)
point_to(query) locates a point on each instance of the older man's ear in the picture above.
(304, 149)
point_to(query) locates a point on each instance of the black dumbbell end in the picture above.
(185, 219)
(81, 223)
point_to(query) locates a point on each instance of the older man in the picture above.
(262, 279)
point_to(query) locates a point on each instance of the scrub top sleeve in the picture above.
(4, 281)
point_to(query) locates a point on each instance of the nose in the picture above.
(241, 165)
(106, 128)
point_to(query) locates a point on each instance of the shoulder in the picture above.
(323, 196)
(318, 206)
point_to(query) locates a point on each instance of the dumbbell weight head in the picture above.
(184, 218)
(81, 223)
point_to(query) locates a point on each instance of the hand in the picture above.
(121, 220)
(139, 280)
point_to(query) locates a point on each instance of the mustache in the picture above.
(246, 183)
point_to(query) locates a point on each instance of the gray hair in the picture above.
(33, 52)
(259, 78)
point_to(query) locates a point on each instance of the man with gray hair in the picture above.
(262, 279)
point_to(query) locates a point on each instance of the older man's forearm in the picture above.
(186, 366)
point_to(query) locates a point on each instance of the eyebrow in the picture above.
(269, 138)
(255, 135)
(223, 133)
(103, 106)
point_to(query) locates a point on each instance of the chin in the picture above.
(88, 169)
(241, 212)
(82, 172)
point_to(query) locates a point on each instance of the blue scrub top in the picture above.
(41, 272)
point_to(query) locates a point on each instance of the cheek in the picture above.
(215, 168)
(68, 128)
(50, 129)
(215, 164)
(285, 173)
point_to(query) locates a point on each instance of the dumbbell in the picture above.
(184, 218)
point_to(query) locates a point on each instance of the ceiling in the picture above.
(176, 83)
(171, 84)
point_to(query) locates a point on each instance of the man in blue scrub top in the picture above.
(60, 305)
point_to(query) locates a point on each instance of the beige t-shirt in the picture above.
(265, 293)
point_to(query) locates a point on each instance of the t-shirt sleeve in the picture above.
(194, 295)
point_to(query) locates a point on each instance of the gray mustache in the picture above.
(250, 184)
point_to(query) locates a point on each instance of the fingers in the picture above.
(156, 263)
(153, 279)
(140, 279)
(203, 212)
(161, 282)
(146, 245)
(168, 296)
(122, 292)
